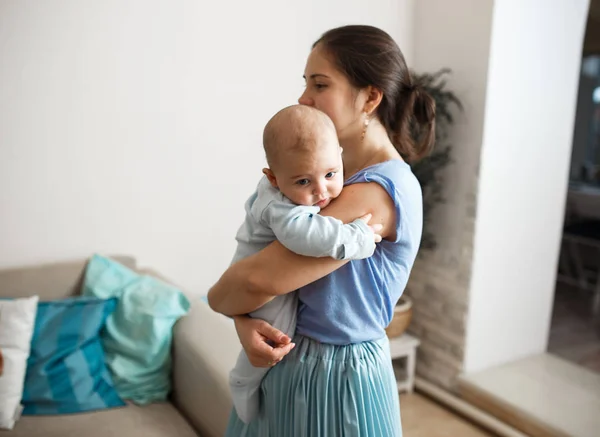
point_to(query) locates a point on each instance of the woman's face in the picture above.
(328, 90)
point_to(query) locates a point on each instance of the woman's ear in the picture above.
(373, 99)
(271, 177)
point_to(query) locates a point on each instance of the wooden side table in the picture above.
(404, 348)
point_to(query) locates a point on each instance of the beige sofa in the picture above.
(205, 348)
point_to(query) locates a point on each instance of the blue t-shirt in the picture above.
(355, 303)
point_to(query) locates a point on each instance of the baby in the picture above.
(305, 174)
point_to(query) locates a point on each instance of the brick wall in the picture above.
(439, 288)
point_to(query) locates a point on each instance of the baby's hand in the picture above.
(376, 228)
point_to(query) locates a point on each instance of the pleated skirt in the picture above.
(323, 390)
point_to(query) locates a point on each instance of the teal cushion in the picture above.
(138, 335)
(66, 372)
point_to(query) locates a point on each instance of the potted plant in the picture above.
(428, 172)
(401, 318)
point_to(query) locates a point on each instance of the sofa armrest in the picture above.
(206, 348)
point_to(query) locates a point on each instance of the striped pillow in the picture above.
(66, 372)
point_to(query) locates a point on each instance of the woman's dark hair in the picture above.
(369, 56)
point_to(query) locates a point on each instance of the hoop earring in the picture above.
(366, 125)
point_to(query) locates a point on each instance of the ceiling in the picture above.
(591, 43)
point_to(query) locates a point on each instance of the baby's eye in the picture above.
(320, 86)
(303, 182)
(330, 175)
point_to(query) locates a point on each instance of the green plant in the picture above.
(428, 170)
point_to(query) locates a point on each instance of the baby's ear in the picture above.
(271, 177)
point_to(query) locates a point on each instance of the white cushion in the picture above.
(17, 320)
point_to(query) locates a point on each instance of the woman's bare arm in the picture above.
(275, 270)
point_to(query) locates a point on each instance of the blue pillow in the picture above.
(138, 335)
(66, 372)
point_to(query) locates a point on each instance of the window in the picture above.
(585, 160)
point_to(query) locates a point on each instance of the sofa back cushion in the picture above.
(48, 281)
(66, 369)
(138, 335)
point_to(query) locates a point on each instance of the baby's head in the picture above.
(304, 156)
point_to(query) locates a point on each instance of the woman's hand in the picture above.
(255, 334)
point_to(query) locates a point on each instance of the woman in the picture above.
(336, 378)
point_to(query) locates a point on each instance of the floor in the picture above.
(422, 417)
(543, 395)
(574, 332)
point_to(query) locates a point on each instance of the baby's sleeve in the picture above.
(304, 231)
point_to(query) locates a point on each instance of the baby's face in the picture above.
(312, 178)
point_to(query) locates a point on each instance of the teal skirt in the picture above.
(323, 390)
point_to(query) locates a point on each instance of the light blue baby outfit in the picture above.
(338, 381)
(271, 216)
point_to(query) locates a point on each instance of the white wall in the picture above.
(529, 118)
(135, 126)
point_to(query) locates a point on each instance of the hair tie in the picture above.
(410, 88)
(415, 87)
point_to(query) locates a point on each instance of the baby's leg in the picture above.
(281, 313)
(245, 379)
(244, 383)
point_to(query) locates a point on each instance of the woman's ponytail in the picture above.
(413, 130)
